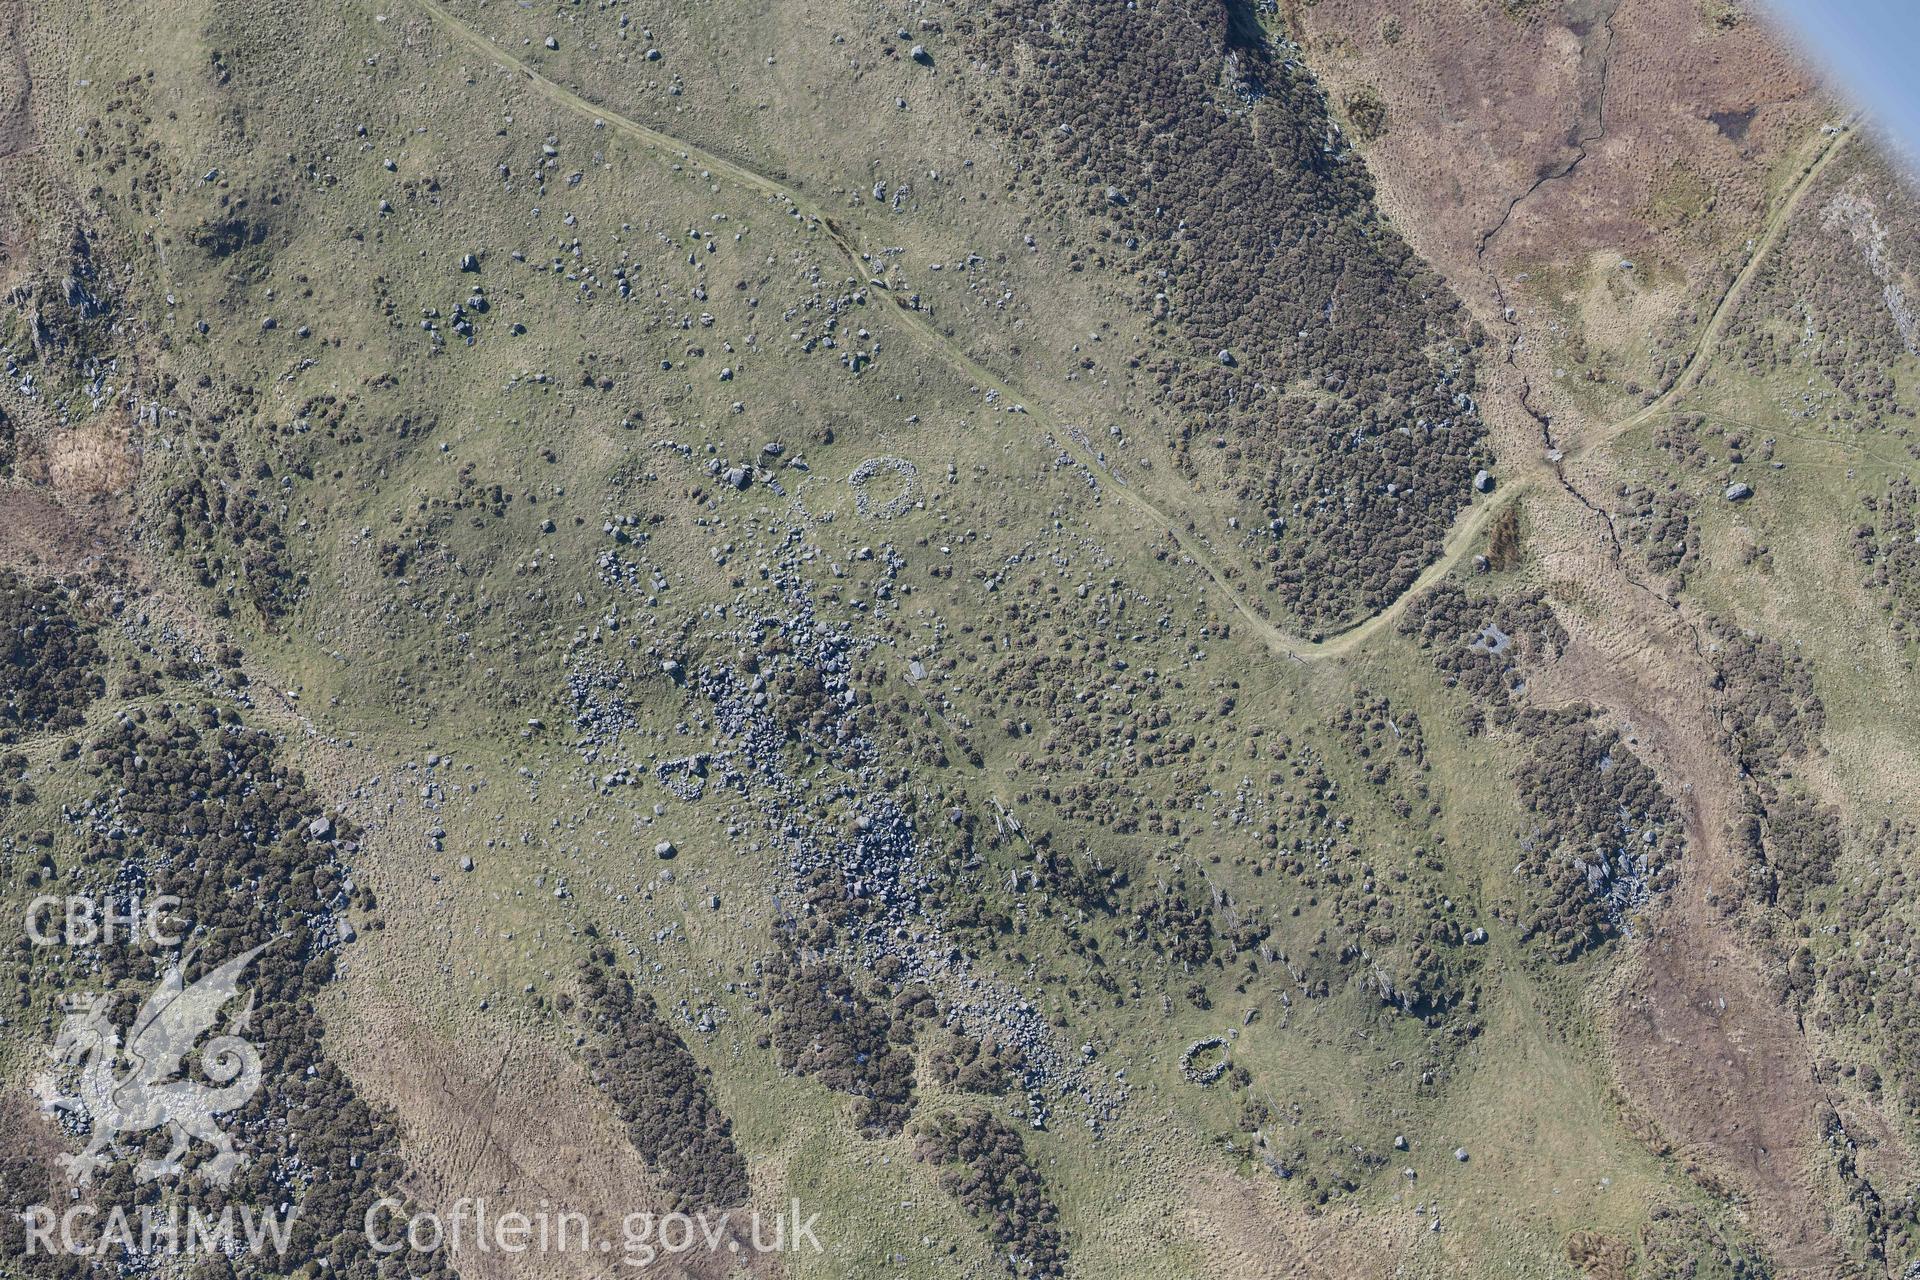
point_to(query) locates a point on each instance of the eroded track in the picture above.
(1467, 527)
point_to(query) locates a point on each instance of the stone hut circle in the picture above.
(894, 507)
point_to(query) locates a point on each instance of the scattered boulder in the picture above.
(1739, 491)
(664, 849)
(1483, 481)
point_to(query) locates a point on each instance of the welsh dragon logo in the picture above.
(151, 1093)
